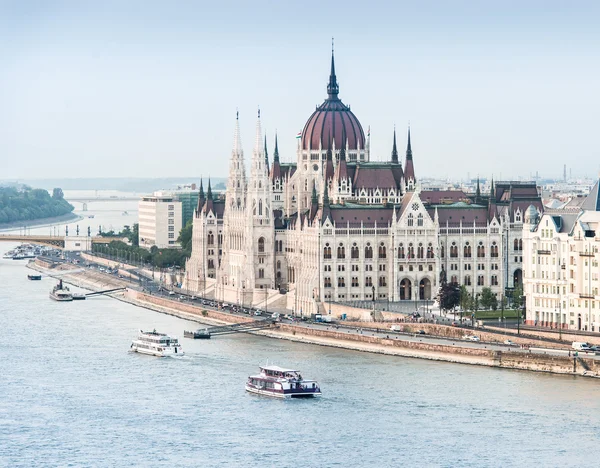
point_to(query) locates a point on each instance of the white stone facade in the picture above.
(337, 227)
(561, 266)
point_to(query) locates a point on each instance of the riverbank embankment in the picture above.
(341, 337)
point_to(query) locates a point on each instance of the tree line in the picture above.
(26, 203)
(160, 258)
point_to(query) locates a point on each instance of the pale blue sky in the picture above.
(130, 88)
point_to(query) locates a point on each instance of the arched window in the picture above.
(354, 251)
(516, 244)
(401, 251)
(341, 251)
(368, 251)
(481, 250)
(382, 251)
(261, 245)
(420, 251)
(260, 207)
(420, 220)
(467, 280)
(453, 250)
(411, 251)
(494, 250)
(442, 252)
(211, 238)
(411, 220)
(520, 244)
(279, 264)
(429, 251)
(467, 250)
(327, 251)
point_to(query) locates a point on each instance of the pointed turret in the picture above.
(409, 169)
(201, 199)
(395, 149)
(275, 168)
(477, 192)
(492, 191)
(236, 182)
(332, 87)
(266, 154)
(329, 169)
(314, 202)
(341, 171)
(208, 206)
(276, 153)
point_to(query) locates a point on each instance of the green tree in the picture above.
(58, 194)
(185, 237)
(517, 298)
(488, 298)
(465, 298)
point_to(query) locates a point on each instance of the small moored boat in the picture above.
(282, 383)
(156, 344)
(61, 293)
(78, 296)
(34, 277)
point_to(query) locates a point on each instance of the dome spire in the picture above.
(332, 88)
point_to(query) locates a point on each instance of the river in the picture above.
(72, 395)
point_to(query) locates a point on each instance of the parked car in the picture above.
(171, 293)
(470, 338)
(257, 313)
(508, 342)
(396, 328)
(422, 332)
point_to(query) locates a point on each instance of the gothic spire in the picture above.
(276, 153)
(326, 196)
(478, 191)
(201, 198)
(409, 168)
(314, 198)
(266, 154)
(492, 191)
(343, 148)
(408, 148)
(395, 149)
(209, 195)
(332, 87)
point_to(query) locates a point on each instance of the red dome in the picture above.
(332, 121)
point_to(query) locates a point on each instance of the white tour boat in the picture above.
(156, 344)
(61, 293)
(282, 383)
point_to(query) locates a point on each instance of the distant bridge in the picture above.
(52, 241)
(85, 200)
(101, 199)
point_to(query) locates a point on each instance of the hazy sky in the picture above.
(146, 89)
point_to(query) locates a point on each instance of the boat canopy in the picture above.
(277, 369)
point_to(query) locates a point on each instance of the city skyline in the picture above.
(498, 91)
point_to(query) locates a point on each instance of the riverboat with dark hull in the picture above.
(61, 293)
(279, 382)
(200, 334)
(34, 277)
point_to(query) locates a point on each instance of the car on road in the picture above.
(396, 328)
(508, 343)
(257, 313)
(421, 332)
(171, 293)
(471, 338)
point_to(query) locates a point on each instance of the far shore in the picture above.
(41, 222)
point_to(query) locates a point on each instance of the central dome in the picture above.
(332, 121)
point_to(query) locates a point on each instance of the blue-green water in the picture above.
(72, 395)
